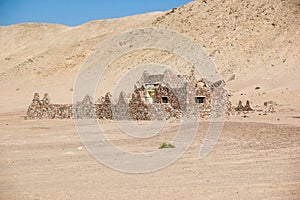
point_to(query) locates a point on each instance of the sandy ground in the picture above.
(40, 160)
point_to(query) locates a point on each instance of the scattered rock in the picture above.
(241, 108)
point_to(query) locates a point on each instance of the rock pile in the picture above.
(157, 112)
(246, 108)
(172, 113)
(121, 109)
(104, 108)
(84, 109)
(269, 106)
(138, 109)
(42, 109)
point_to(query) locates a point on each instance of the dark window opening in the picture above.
(164, 100)
(199, 99)
(147, 85)
(151, 85)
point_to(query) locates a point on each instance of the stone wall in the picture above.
(42, 109)
(138, 109)
(165, 91)
(121, 109)
(104, 108)
(180, 102)
(84, 109)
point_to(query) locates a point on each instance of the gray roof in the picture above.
(154, 78)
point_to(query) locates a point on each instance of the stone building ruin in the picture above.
(43, 109)
(155, 97)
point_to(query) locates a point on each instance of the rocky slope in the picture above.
(253, 43)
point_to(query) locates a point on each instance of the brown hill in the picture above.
(253, 43)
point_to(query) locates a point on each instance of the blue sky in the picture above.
(75, 12)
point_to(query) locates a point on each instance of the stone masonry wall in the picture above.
(42, 109)
(180, 97)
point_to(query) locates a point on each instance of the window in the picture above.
(148, 85)
(151, 86)
(150, 96)
(200, 99)
(164, 100)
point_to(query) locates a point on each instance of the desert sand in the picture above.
(253, 44)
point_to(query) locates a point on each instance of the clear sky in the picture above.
(75, 12)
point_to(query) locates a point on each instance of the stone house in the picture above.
(169, 95)
(155, 97)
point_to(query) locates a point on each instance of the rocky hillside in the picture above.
(253, 43)
(242, 36)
